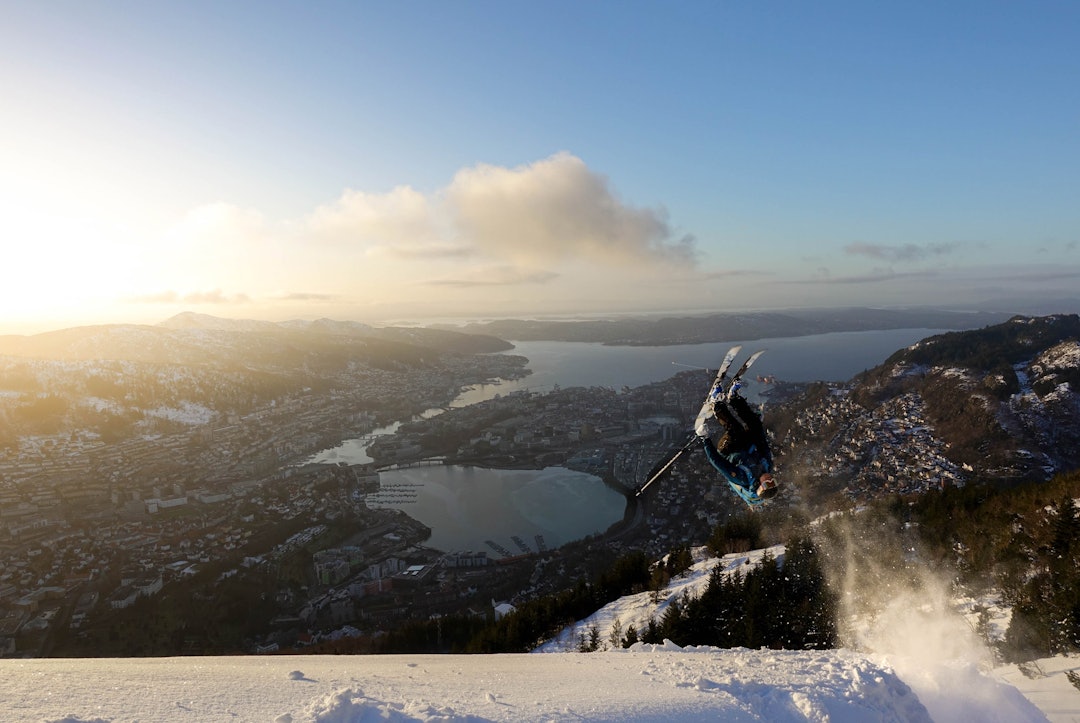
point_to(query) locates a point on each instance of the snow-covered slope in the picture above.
(919, 666)
(637, 609)
(645, 683)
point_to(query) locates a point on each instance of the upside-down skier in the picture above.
(742, 455)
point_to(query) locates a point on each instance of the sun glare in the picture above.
(58, 263)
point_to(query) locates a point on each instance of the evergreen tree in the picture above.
(652, 634)
(594, 638)
(615, 637)
(671, 623)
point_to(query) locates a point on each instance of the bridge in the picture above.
(410, 465)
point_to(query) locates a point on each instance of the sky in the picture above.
(428, 160)
(917, 668)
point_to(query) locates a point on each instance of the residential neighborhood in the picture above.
(891, 448)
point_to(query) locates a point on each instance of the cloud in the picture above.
(874, 277)
(402, 218)
(497, 276)
(558, 209)
(216, 223)
(553, 210)
(1036, 276)
(904, 253)
(424, 251)
(215, 296)
(306, 296)
(735, 274)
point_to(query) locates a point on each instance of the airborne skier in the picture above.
(742, 455)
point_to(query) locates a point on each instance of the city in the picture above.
(90, 530)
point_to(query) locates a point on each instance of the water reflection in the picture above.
(467, 506)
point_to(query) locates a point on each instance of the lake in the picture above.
(467, 506)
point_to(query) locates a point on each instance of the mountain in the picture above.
(190, 338)
(999, 403)
(187, 320)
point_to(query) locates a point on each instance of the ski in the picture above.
(721, 373)
(742, 370)
(717, 389)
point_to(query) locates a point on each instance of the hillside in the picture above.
(916, 627)
(119, 381)
(995, 404)
(198, 339)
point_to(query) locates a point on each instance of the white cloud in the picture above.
(213, 296)
(217, 223)
(497, 276)
(558, 209)
(539, 235)
(401, 219)
(553, 210)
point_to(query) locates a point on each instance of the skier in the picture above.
(742, 456)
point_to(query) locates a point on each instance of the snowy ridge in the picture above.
(1065, 355)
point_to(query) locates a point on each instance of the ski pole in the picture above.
(659, 473)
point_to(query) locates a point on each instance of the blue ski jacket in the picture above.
(740, 468)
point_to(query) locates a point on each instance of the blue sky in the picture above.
(382, 161)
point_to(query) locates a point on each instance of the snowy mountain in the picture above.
(917, 665)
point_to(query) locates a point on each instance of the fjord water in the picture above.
(465, 507)
(834, 357)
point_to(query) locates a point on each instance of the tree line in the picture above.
(782, 603)
(1023, 541)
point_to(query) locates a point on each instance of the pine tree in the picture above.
(652, 634)
(671, 622)
(594, 638)
(615, 637)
